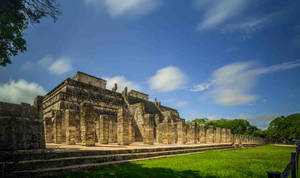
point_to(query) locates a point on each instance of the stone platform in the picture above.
(60, 159)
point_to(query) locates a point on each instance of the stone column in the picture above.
(103, 129)
(131, 131)
(48, 129)
(218, 135)
(192, 133)
(148, 137)
(197, 134)
(57, 126)
(123, 127)
(174, 135)
(228, 135)
(223, 138)
(181, 132)
(88, 117)
(202, 133)
(210, 135)
(72, 119)
(112, 136)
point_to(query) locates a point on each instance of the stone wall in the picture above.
(21, 127)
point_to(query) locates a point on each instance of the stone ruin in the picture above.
(21, 126)
(81, 110)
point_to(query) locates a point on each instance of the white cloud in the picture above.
(122, 82)
(20, 91)
(262, 121)
(279, 67)
(167, 79)
(247, 26)
(45, 62)
(232, 84)
(201, 87)
(60, 66)
(219, 11)
(128, 7)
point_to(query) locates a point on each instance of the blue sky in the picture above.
(215, 59)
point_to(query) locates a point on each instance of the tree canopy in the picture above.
(284, 129)
(15, 16)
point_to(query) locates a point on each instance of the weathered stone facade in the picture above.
(21, 127)
(82, 111)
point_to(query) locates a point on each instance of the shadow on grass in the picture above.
(135, 170)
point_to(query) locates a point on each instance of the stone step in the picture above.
(67, 161)
(49, 154)
(50, 172)
(69, 164)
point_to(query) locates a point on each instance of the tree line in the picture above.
(281, 130)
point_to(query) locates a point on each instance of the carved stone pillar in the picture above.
(112, 136)
(210, 134)
(103, 129)
(218, 135)
(148, 137)
(202, 133)
(223, 138)
(48, 129)
(57, 126)
(88, 117)
(72, 119)
(181, 132)
(192, 133)
(123, 127)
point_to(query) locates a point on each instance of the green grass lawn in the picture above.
(252, 162)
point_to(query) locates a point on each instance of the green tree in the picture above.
(284, 129)
(15, 16)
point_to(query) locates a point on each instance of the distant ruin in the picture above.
(81, 110)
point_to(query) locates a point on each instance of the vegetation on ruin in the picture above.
(281, 130)
(15, 16)
(252, 162)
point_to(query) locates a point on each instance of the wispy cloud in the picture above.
(247, 27)
(232, 84)
(20, 91)
(218, 12)
(201, 87)
(134, 8)
(54, 66)
(60, 66)
(167, 79)
(262, 121)
(122, 82)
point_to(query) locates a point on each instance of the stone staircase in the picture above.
(50, 163)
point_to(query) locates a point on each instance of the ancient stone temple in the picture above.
(80, 110)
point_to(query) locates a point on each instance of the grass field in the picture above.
(252, 162)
